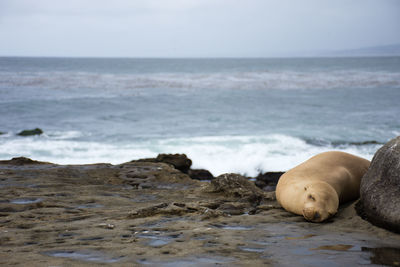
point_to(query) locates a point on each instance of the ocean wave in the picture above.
(341, 143)
(247, 155)
(233, 80)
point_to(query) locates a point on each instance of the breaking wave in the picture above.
(247, 155)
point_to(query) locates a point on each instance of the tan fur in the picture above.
(315, 188)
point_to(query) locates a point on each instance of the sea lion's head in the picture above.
(320, 202)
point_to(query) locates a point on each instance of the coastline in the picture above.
(150, 213)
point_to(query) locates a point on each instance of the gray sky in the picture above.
(194, 28)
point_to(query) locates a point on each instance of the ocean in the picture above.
(228, 115)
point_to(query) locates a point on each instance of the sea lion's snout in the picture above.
(314, 214)
(310, 214)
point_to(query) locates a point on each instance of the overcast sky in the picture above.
(194, 28)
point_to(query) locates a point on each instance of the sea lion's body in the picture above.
(315, 188)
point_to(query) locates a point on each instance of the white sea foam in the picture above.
(251, 154)
(69, 152)
(247, 155)
(62, 135)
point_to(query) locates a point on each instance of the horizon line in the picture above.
(201, 57)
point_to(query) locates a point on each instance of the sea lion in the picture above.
(315, 188)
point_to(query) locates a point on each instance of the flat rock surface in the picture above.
(144, 213)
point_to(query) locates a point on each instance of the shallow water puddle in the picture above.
(253, 249)
(195, 261)
(83, 255)
(144, 198)
(92, 238)
(299, 237)
(292, 245)
(236, 227)
(339, 247)
(67, 235)
(158, 242)
(162, 222)
(11, 185)
(158, 239)
(23, 201)
(232, 227)
(89, 206)
(300, 251)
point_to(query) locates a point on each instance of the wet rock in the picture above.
(148, 211)
(209, 214)
(200, 174)
(237, 186)
(174, 221)
(161, 209)
(35, 131)
(99, 257)
(267, 181)
(21, 161)
(106, 225)
(153, 160)
(388, 256)
(179, 161)
(232, 208)
(380, 188)
(144, 175)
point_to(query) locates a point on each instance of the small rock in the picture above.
(179, 161)
(182, 205)
(21, 161)
(267, 181)
(200, 174)
(35, 131)
(233, 208)
(237, 186)
(106, 225)
(209, 214)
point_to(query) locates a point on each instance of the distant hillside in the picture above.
(386, 50)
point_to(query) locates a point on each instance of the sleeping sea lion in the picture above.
(316, 187)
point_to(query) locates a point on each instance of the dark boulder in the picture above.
(35, 131)
(380, 188)
(267, 181)
(179, 161)
(200, 174)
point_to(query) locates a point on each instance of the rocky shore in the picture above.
(159, 212)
